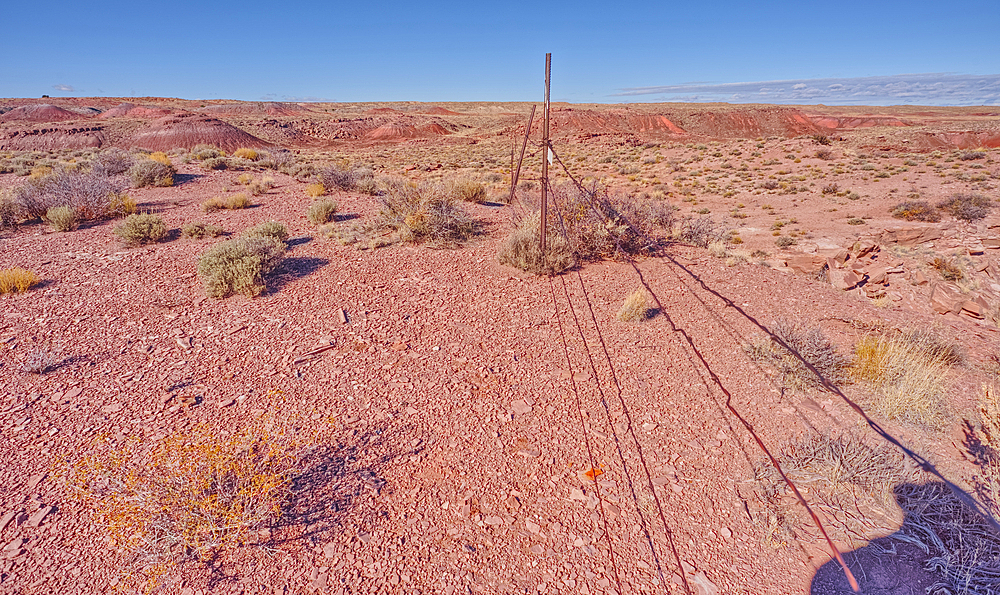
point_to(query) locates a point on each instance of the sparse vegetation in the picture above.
(234, 201)
(188, 496)
(915, 210)
(947, 268)
(810, 345)
(88, 194)
(522, 249)
(17, 280)
(198, 230)
(147, 172)
(140, 229)
(239, 265)
(315, 190)
(121, 205)
(425, 212)
(249, 154)
(322, 211)
(268, 229)
(635, 307)
(907, 372)
(468, 190)
(62, 218)
(967, 207)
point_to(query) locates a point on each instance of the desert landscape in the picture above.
(296, 348)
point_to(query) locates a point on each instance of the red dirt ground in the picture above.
(463, 432)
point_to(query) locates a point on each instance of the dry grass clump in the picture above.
(190, 496)
(249, 154)
(635, 308)
(522, 249)
(848, 479)
(198, 230)
(468, 190)
(345, 178)
(62, 218)
(915, 210)
(17, 280)
(322, 211)
(140, 229)
(160, 157)
(40, 171)
(809, 344)
(121, 205)
(215, 163)
(908, 374)
(967, 207)
(315, 190)
(234, 201)
(948, 269)
(424, 213)
(148, 172)
(239, 265)
(259, 187)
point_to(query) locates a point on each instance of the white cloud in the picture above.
(921, 89)
(64, 88)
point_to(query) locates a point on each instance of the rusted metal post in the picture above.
(517, 173)
(545, 157)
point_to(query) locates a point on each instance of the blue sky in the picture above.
(466, 51)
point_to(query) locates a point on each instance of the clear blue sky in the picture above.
(467, 51)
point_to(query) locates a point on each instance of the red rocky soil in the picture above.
(464, 433)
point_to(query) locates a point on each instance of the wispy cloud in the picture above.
(918, 89)
(64, 88)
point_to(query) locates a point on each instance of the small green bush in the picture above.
(147, 172)
(268, 229)
(62, 218)
(199, 230)
(239, 265)
(321, 212)
(139, 229)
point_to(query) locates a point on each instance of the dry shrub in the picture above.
(522, 249)
(602, 225)
(948, 269)
(468, 190)
(268, 229)
(849, 480)
(112, 162)
(321, 212)
(239, 265)
(160, 157)
(810, 345)
(915, 210)
(39, 361)
(87, 193)
(40, 171)
(62, 218)
(908, 374)
(343, 177)
(635, 308)
(190, 496)
(147, 172)
(17, 280)
(198, 230)
(424, 213)
(215, 163)
(10, 213)
(248, 154)
(244, 179)
(140, 229)
(315, 190)
(967, 207)
(234, 201)
(121, 205)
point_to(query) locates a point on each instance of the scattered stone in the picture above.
(844, 279)
(6, 519)
(34, 480)
(991, 243)
(807, 264)
(918, 278)
(520, 406)
(703, 586)
(944, 299)
(36, 519)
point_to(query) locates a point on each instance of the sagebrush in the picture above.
(239, 265)
(141, 228)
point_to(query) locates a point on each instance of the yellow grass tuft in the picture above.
(246, 154)
(234, 201)
(635, 308)
(17, 280)
(40, 171)
(315, 190)
(908, 381)
(160, 157)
